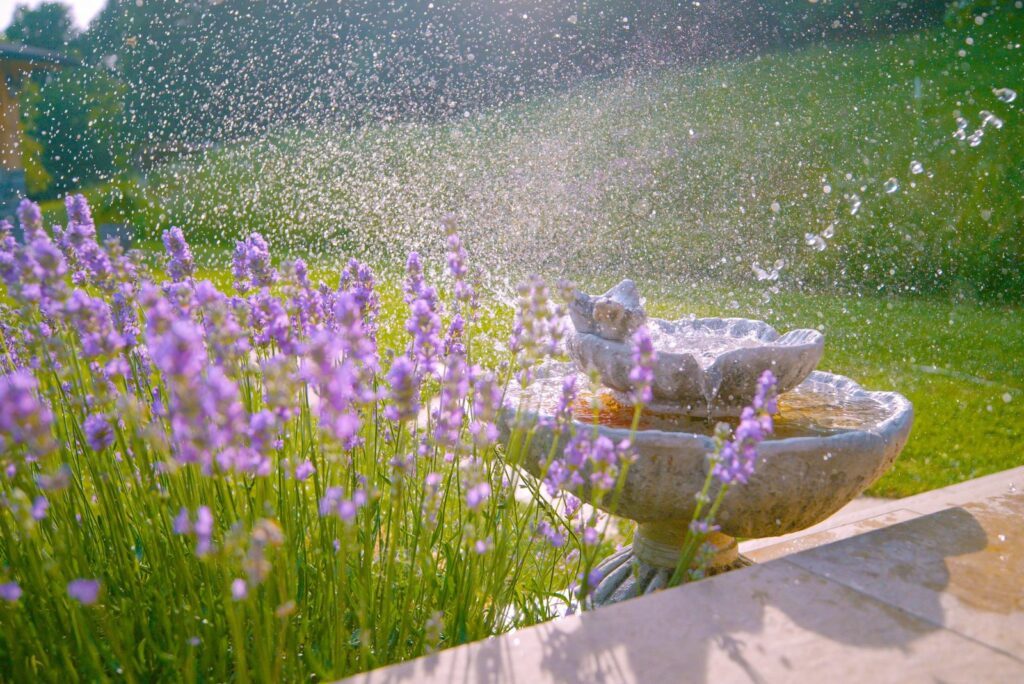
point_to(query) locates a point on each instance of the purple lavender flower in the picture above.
(92, 318)
(357, 342)
(735, 461)
(357, 279)
(179, 352)
(548, 531)
(304, 470)
(180, 264)
(85, 591)
(39, 507)
(99, 433)
(10, 591)
(563, 413)
(301, 272)
(240, 267)
(451, 405)
(403, 398)
(765, 400)
(25, 420)
(703, 527)
(78, 210)
(537, 329)
(459, 270)
(424, 325)
(453, 338)
(182, 522)
(270, 322)
(203, 530)
(414, 284)
(642, 374)
(239, 590)
(338, 386)
(477, 495)
(126, 319)
(335, 503)
(597, 461)
(486, 403)
(30, 218)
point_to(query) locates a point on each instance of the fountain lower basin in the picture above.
(832, 440)
(710, 366)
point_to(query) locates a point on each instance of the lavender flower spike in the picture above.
(642, 374)
(85, 591)
(734, 464)
(181, 265)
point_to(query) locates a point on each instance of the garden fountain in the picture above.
(832, 438)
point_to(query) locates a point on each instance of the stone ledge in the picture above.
(935, 594)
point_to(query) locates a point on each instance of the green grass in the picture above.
(661, 171)
(919, 291)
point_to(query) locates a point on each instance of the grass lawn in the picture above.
(687, 173)
(684, 179)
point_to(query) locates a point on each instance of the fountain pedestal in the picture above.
(659, 544)
(649, 562)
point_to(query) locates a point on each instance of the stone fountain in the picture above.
(832, 438)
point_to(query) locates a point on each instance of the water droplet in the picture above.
(572, 19)
(854, 205)
(990, 119)
(891, 186)
(734, 304)
(815, 242)
(776, 207)
(974, 139)
(1005, 94)
(1007, 397)
(916, 167)
(826, 188)
(1001, 537)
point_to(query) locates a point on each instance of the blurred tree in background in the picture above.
(72, 118)
(47, 26)
(165, 77)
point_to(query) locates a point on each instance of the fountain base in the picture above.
(648, 563)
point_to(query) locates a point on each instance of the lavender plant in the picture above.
(202, 484)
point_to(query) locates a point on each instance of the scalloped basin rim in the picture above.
(798, 481)
(706, 379)
(898, 403)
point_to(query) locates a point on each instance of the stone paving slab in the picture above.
(865, 509)
(770, 623)
(924, 589)
(801, 542)
(961, 568)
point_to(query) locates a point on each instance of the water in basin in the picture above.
(704, 348)
(811, 410)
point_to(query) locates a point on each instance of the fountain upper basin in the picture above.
(833, 439)
(709, 366)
